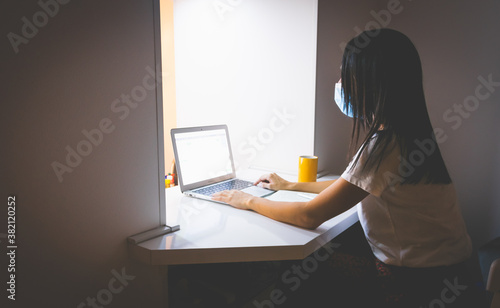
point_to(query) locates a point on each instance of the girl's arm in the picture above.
(332, 201)
(275, 182)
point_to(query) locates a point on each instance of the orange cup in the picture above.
(308, 168)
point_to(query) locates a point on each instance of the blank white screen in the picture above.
(203, 155)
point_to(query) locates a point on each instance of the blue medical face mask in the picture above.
(339, 99)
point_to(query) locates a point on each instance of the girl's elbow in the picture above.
(310, 222)
(312, 226)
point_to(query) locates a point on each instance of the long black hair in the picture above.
(381, 77)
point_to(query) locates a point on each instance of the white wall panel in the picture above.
(250, 65)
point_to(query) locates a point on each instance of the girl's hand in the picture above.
(274, 182)
(235, 198)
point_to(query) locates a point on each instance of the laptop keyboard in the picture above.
(233, 184)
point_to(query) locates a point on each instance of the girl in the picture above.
(407, 203)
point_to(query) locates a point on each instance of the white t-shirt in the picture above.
(413, 225)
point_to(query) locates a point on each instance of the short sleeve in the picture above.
(374, 180)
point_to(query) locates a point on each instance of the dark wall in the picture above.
(82, 163)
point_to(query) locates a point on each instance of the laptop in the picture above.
(205, 165)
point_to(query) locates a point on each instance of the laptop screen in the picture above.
(203, 155)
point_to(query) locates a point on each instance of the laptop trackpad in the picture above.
(257, 191)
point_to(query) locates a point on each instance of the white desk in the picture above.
(214, 233)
